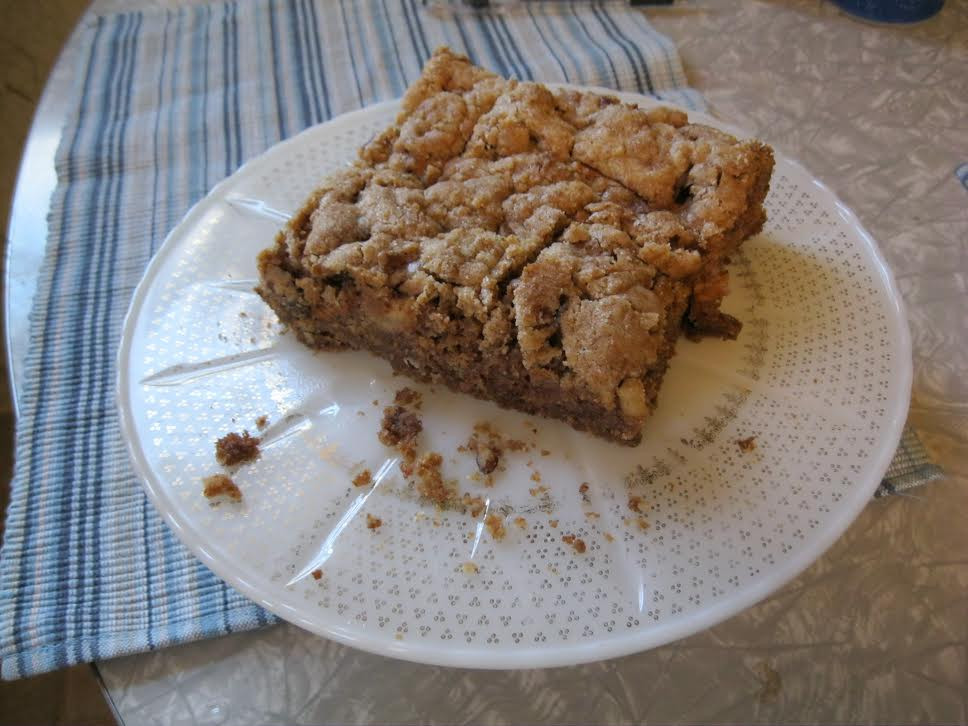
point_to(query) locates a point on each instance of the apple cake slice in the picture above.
(539, 248)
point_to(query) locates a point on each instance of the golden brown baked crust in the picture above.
(542, 249)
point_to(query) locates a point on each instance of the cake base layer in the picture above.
(459, 364)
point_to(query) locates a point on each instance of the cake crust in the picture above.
(541, 249)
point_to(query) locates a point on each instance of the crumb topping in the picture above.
(235, 448)
(364, 478)
(473, 505)
(576, 543)
(558, 227)
(399, 426)
(747, 445)
(430, 479)
(408, 397)
(495, 525)
(220, 485)
(373, 522)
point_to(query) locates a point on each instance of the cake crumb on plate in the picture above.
(235, 448)
(495, 526)
(576, 543)
(220, 485)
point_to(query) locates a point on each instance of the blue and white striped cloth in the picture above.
(167, 103)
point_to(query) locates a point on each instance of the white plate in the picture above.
(820, 376)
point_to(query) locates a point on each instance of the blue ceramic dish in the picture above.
(891, 11)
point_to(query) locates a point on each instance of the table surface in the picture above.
(877, 629)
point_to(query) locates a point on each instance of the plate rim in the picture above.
(545, 656)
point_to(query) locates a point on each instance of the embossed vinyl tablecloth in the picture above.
(875, 630)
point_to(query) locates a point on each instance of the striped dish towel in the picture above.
(167, 103)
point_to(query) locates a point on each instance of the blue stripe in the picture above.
(198, 167)
(226, 132)
(528, 74)
(349, 50)
(418, 23)
(261, 83)
(400, 82)
(642, 62)
(471, 50)
(317, 64)
(199, 115)
(666, 49)
(233, 60)
(231, 31)
(574, 20)
(277, 68)
(615, 34)
(495, 59)
(172, 124)
(85, 359)
(456, 40)
(495, 28)
(153, 241)
(372, 67)
(496, 43)
(297, 59)
(79, 359)
(150, 590)
(203, 121)
(231, 151)
(548, 46)
(565, 46)
(414, 42)
(104, 343)
(147, 557)
(60, 271)
(170, 552)
(327, 111)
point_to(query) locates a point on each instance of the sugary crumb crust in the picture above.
(235, 448)
(539, 248)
